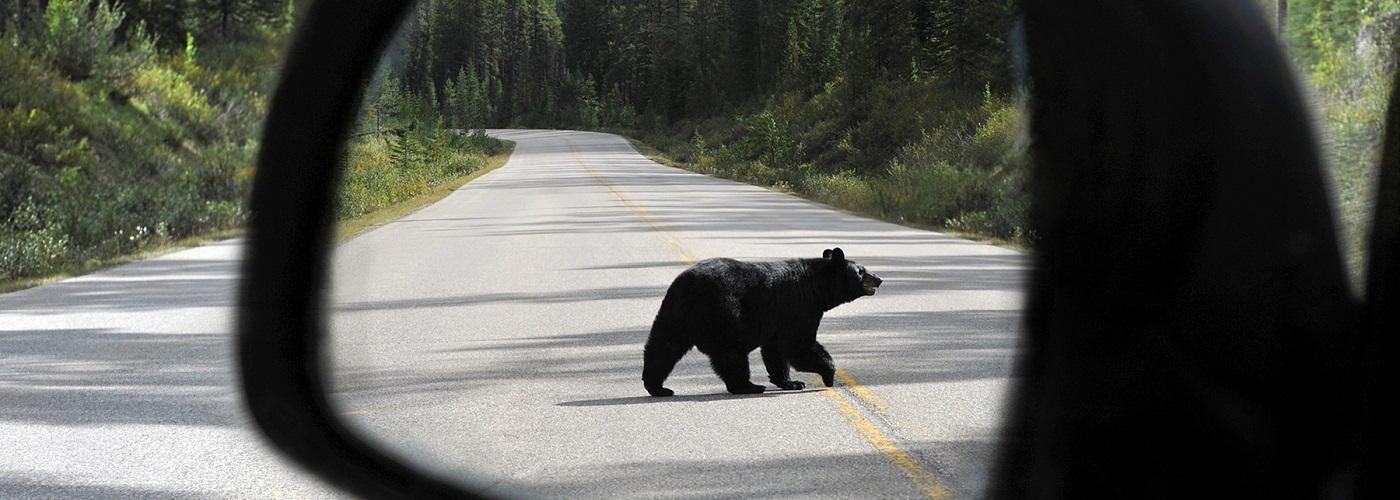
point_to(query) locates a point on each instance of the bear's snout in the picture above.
(871, 282)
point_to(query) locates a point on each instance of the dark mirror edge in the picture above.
(280, 322)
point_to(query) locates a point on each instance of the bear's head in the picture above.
(856, 281)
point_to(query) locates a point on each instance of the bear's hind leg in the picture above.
(658, 358)
(778, 371)
(813, 358)
(733, 369)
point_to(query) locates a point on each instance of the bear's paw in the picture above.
(745, 389)
(791, 385)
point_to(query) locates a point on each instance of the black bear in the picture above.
(727, 308)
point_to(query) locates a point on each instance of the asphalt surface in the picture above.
(495, 338)
(121, 384)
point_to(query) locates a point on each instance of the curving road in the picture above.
(495, 337)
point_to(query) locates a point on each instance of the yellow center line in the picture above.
(679, 246)
(923, 481)
(861, 391)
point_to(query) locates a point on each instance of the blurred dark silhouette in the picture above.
(1190, 330)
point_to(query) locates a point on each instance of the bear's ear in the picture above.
(835, 254)
(826, 254)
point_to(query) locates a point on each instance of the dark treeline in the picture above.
(903, 109)
(687, 59)
(610, 62)
(899, 108)
(486, 62)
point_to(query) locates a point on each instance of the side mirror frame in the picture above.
(280, 321)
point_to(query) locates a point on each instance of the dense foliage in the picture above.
(899, 108)
(1346, 50)
(903, 109)
(124, 126)
(127, 124)
(387, 168)
(120, 127)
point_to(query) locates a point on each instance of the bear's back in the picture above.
(737, 276)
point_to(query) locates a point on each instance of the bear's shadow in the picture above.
(680, 398)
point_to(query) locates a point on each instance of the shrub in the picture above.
(1005, 217)
(19, 181)
(81, 36)
(768, 138)
(925, 193)
(842, 189)
(29, 244)
(920, 152)
(381, 170)
(163, 92)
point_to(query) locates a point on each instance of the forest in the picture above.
(907, 110)
(131, 124)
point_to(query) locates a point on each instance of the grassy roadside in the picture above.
(114, 142)
(920, 153)
(354, 226)
(347, 229)
(94, 265)
(661, 157)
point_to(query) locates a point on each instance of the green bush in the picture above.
(81, 36)
(769, 139)
(919, 152)
(1005, 217)
(19, 181)
(923, 192)
(380, 170)
(842, 189)
(1351, 65)
(477, 140)
(29, 243)
(163, 92)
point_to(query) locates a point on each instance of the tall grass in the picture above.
(384, 169)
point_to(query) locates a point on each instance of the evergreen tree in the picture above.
(966, 41)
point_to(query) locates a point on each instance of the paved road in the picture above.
(496, 337)
(120, 384)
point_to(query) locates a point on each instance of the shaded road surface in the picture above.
(496, 337)
(120, 384)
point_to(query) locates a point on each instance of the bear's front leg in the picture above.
(658, 358)
(778, 371)
(733, 369)
(813, 358)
